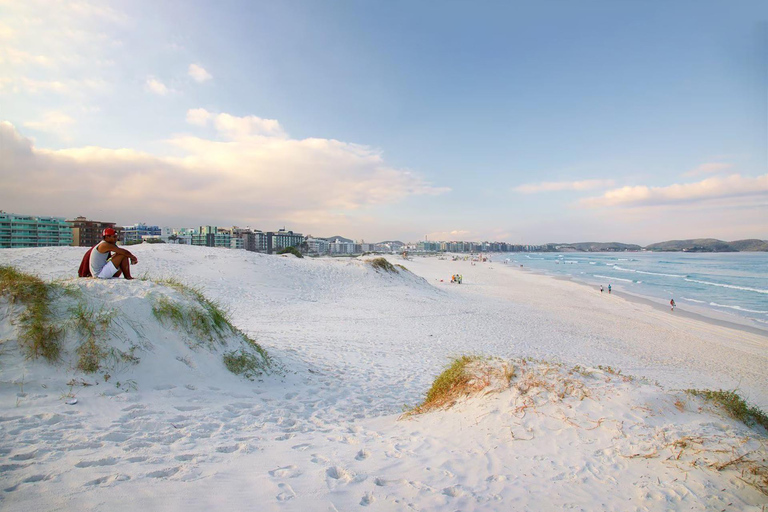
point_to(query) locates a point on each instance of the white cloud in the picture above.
(256, 179)
(156, 86)
(444, 236)
(555, 186)
(247, 126)
(199, 73)
(733, 186)
(198, 116)
(53, 122)
(234, 127)
(708, 168)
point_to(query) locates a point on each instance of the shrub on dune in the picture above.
(291, 250)
(39, 336)
(383, 265)
(734, 405)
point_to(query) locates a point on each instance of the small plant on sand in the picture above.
(383, 265)
(452, 383)
(241, 362)
(291, 250)
(216, 321)
(92, 327)
(196, 322)
(735, 406)
(39, 336)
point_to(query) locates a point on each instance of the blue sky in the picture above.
(516, 121)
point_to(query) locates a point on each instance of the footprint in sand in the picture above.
(163, 473)
(319, 459)
(340, 474)
(106, 480)
(29, 480)
(301, 447)
(285, 472)
(362, 455)
(25, 456)
(367, 499)
(453, 491)
(286, 492)
(109, 461)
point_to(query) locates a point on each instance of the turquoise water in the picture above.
(731, 283)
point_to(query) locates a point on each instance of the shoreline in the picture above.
(697, 313)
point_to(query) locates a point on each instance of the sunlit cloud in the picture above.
(198, 116)
(199, 73)
(708, 168)
(733, 186)
(251, 177)
(556, 186)
(155, 86)
(53, 122)
(235, 127)
(455, 234)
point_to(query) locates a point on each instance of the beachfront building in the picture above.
(182, 236)
(29, 231)
(87, 233)
(236, 243)
(139, 232)
(338, 247)
(211, 236)
(278, 240)
(318, 245)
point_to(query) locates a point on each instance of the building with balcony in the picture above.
(211, 236)
(278, 240)
(87, 233)
(140, 232)
(28, 231)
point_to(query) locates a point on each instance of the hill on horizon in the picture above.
(709, 245)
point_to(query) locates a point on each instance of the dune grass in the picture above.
(455, 381)
(246, 364)
(40, 337)
(734, 405)
(93, 327)
(383, 265)
(210, 322)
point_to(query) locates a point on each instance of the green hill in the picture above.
(709, 245)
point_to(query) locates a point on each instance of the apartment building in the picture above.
(87, 233)
(30, 231)
(140, 232)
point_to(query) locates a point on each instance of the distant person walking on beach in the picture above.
(609, 288)
(601, 288)
(672, 304)
(108, 260)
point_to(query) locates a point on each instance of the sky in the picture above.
(524, 122)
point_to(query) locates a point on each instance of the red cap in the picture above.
(108, 232)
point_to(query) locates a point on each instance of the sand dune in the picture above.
(323, 429)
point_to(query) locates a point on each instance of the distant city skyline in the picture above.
(554, 122)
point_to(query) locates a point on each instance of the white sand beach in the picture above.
(594, 418)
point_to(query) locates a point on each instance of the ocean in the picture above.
(727, 284)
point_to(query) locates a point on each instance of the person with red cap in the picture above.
(108, 260)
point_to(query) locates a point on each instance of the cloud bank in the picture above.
(252, 172)
(730, 187)
(555, 186)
